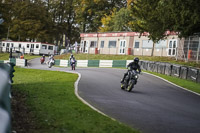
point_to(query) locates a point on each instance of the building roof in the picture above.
(119, 34)
(26, 42)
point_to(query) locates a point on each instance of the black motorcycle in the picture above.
(130, 80)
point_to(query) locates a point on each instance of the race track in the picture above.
(153, 106)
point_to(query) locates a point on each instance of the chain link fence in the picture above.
(189, 49)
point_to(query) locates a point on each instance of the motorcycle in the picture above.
(73, 63)
(42, 60)
(130, 80)
(51, 63)
(73, 66)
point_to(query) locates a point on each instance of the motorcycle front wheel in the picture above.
(130, 85)
(50, 65)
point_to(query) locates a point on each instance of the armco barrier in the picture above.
(183, 72)
(5, 109)
(161, 68)
(156, 67)
(176, 71)
(192, 74)
(168, 69)
(144, 65)
(198, 76)
(151, 66)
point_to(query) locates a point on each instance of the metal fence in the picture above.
(189, 49)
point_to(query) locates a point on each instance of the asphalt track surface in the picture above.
(153, 106)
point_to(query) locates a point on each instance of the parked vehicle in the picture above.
(130, 80)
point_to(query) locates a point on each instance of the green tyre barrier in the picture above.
(57, 62)
(119, 63)
(93, 63)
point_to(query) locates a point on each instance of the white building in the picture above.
(128, 43)
(36, 48)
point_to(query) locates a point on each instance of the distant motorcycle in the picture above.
(73, 66)
(50, 63)
(130, 80)
(42, 60)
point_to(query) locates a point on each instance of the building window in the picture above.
(37, 45)
(161, 44)
(20, 45)
(93, 44)
(102, 44)
(172, 47)
(112, 44)
(27, 45)
(148, 44)
(8, 44)
(12, 44)
(3, 44)
(44, 46)
(32, 45)
(137, 44)
(50, 47)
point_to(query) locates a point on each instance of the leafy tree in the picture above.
(118, 21)
(159, 16)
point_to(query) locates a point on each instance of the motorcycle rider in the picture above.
(133, 66)
(50, 57)
(72, 60)
(42, 59)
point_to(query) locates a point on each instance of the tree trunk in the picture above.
(152, 51)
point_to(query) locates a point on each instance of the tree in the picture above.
(159, 16)
(118, 21)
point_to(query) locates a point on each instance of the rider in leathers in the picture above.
(133, 66)
(72, 60)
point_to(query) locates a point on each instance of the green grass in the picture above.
(190, 85)
(50, 97)
(5, 56)
(126, 57)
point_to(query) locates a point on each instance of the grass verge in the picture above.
(190, 85)
(5, 56)
(46, 102)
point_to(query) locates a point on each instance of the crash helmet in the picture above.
(43, 55)
(51, 56)
(72, 55)
(136, 60)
